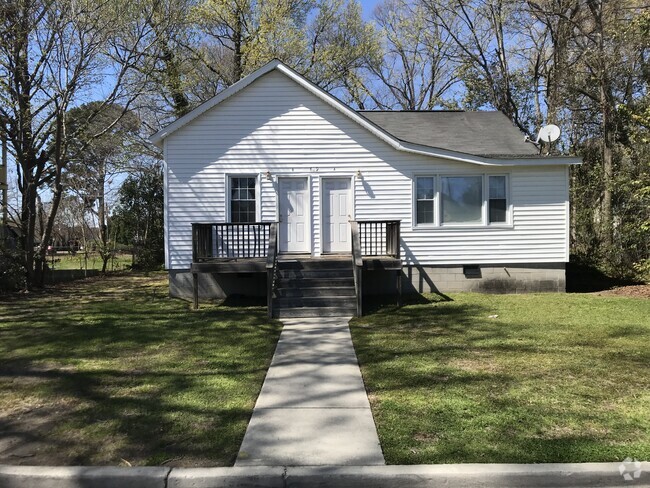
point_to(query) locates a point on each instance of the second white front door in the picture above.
(337, 212)
(293, 194)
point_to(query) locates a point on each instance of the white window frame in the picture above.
(258, 195)
(436, 217)
(437, 202)
(483, 205)
(508, 221)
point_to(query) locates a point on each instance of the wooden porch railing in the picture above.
(379, 238)
(271, 266)
(230, 241)
(357, 266)
(373, 238)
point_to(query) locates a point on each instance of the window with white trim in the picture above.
(498, 200)
(462, 199)
(425, 193)
(242, 199)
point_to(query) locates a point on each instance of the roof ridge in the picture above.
(425, 111)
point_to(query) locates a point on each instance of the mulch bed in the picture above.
(634, 291)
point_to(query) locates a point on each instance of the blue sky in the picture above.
(368, 6)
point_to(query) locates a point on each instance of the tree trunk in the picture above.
(46, 233)
(608, 168)
(28, 228)
(607, 107)
(237, 38)
(101, 217)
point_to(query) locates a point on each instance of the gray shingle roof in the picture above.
(477, 133)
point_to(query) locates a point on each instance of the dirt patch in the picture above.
(634, 291)
(426, 437)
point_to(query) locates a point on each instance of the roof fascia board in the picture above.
(484, 161)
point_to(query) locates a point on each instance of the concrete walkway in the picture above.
(313, 408)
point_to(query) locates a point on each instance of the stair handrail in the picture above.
(271, 265)
(357, 264)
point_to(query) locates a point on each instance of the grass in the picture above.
(551, 378)
(120, 262)
(112, 371)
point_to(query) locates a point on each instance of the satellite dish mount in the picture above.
(547, 134)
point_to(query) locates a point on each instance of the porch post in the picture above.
(195, 290)
(399, 288)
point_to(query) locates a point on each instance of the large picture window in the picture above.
(242, 199)
(462, 199)
(425, 199)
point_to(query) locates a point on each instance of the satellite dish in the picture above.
(548, 133)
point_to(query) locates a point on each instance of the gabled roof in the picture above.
(386, 126)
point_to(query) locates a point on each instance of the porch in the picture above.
(294, 280)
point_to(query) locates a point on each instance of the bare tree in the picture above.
(416, 69)
(53, 52)
(487, 52)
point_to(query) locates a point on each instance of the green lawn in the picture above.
(62, 260)
(113, 372)
(553, 378)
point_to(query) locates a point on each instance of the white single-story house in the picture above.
(274, 178)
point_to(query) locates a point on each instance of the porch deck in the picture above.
(258, 265)
(253, 248)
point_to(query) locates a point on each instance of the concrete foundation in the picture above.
(487, 278)
(214, 286)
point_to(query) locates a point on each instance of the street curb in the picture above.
(82, 477)
(417, 476)
(467, 476)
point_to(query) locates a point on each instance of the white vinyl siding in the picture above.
(276, 126)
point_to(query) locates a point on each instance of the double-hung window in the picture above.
(242, 199)
(425, 192)
(498, 202)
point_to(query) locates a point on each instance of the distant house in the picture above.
(275, 187)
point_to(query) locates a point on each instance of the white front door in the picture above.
(293, 195)
(337, 211)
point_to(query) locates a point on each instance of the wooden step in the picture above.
(326, 301)
(314, 288)
(314, 282)
(346, 291)
(314, 312)
(296, 274)
(316, 264)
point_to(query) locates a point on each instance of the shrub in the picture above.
(12, 270)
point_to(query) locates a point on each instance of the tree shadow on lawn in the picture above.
(450, 384)
(130, 376)
(92, 420)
